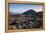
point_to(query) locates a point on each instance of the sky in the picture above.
(21, 8)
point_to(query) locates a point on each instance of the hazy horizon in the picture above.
(21, 8)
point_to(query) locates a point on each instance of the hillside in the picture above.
(27, 20)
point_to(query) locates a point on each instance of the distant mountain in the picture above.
(40, 14)
(30, 12)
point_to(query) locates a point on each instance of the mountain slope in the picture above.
(30, 12)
